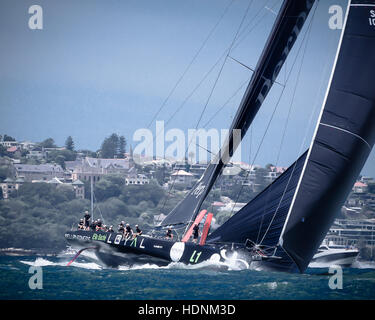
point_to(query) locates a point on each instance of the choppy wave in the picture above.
(174, 281)
(92, 265)
(88, 260)
(363, 265)
(41, 262)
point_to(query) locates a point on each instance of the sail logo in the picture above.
(268, 81)
(372, 18)
(99, 237)
(198, 190)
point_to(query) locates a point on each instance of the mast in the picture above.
(288, 24)
(343, 138)
(92, 198)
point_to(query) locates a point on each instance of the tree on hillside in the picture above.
(113, 146)
(60, 160)
(69, 144)
(8, 138)
(48, 143)
(109, 146)
(134, 194)
(122, 147)
(3, 151)
(60, 156)
(5, 172)
(88, 153)
(35, 194)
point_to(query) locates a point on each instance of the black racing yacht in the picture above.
(284, 225)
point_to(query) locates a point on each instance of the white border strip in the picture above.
(318, 124)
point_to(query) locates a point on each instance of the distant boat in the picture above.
(333, 254)
(283, 226)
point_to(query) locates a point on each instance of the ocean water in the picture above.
(87, 279)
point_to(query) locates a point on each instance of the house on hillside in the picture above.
(137, 179)
(181, 177)
(360, 187)
(43, 172)
(9, 185)
(96, 168)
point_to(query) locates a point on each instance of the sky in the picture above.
(104, 66)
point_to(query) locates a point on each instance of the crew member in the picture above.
(110, 229)
(87, 220)
(169, 234)
(121, 227)
(99, 225)
(138, 231)
(81, 225)
(128, 231)
(195, 233)
(93, 225)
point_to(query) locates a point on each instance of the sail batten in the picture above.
(346, 131)
(288, 24)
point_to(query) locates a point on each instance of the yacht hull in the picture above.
(113, 250)
(341, 257)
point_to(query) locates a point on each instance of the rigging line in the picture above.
(230, 98)
(214, 66)
(221, 69)
(219, 74)
(254, 26)
(274, 111)
(205, 149)
(284, 132)
(283, 137)
(270, 10)
(247, 67)
(242, 64)
(191, 63)
(316, 103)
(227, 51)
(216, 81)
(97, 206)
(206, 75)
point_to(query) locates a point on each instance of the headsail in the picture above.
(263, 218)
(288, 24)
(343, 139)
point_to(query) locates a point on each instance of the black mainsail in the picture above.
(287, 26)
(344, 137)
